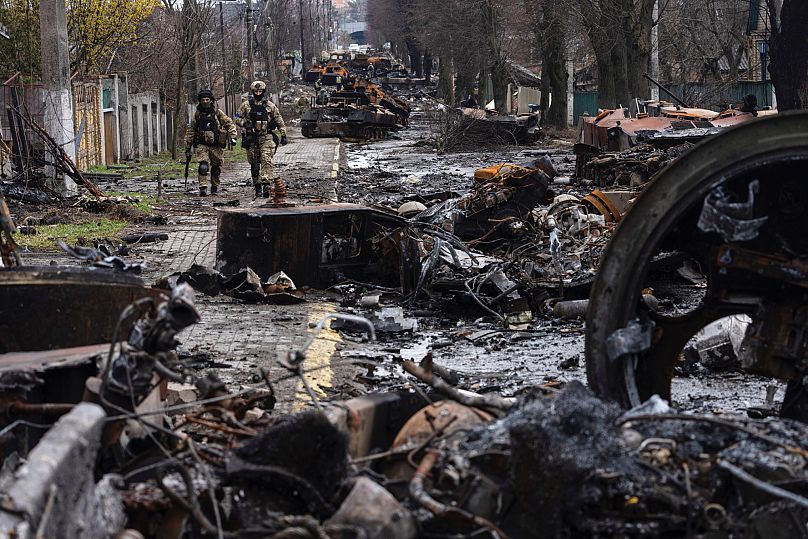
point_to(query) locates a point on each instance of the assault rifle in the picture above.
(187, 163)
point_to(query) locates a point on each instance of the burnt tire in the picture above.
(615, 296)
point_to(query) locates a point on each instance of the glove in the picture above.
(233, 142)
(284, 141)
(187, 153)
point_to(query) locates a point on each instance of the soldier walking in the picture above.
(208, 134)
(260, 118)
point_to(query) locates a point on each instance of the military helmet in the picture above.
(258, 85)
(205, 93)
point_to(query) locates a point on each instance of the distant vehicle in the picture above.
(353, 47)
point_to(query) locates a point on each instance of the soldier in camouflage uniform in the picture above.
(209, 133)
(260, 118)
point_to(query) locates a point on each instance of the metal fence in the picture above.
(715, 96)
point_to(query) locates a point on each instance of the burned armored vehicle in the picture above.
(361, 112)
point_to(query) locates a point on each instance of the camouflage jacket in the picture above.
(225, 128)
(274, 116)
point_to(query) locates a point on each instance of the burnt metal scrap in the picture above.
(360, 110)
(73, 297)
(735, 222)
(244, 285)
(30, 143)
(100, 257)
(504, 248)
(479, 126)
(440, 460)
(317, 245)
(387, 465)
(615, 148)
(633, 167)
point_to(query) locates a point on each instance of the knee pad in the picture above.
(215, 170)
(203, 168)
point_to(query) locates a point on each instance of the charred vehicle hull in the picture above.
(352, 115)
(348, 122)
(733, 206)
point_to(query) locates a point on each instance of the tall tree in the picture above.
(189, 19)
(97, 29)
(620, 34)
(549, 23)
(789, 52)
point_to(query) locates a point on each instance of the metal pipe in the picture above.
(661, 87)
(25, 408)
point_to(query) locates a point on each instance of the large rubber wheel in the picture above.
(773, 150)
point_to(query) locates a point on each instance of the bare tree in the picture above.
(189, 20)
(550, 21)
(789, 52)
(620, 34)
(704, 40)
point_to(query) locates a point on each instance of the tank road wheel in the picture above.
(736, 207)
(381, 133)
(368, 133)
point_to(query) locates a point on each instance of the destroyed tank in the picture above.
(355, 114)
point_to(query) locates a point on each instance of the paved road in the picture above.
(245, 337)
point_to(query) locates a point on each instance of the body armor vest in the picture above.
(259, 116)
(207, 129)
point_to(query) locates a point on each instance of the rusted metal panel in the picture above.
(612, 130)
(315, 245)
(51, 359)
(44, 308)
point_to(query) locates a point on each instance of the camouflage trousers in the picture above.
(213, 156)
(260, 156)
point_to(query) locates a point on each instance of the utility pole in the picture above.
(655, 50)
(224, 61)
(302, 42)
(250, 30)
(56, 92)
(331, 34)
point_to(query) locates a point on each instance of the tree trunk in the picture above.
(788, 65)
(416, 57)
(607, 94)
(638, 20)
(445, 79)
(500, 79)
(495, 63)
(427, 65)
(554, 69)
(544, 99)
(622, 48)
(601, 36)
(618, 59)
(464, 83)
(176, 115)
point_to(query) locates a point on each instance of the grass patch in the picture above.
(148, 166)
(146, 203)
(47, 235)
(169, 168)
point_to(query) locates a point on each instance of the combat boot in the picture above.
(203, 191)
(267, 190)
(259, 190)
(214, 189)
